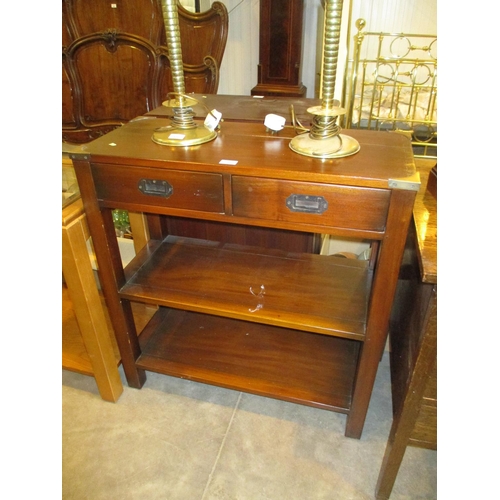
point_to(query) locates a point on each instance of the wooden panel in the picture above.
(280, 42)
(247, 283)
(430, 392)
(409, 321)
(127, 74)
(142, 17)
(200, 78)
(424, 433)
(347, 207)
(203, 34)
(291, 241)
(383, 156)
(191, 190)
(114, 54)
(68, 105)
(285, 364)
(280, 36)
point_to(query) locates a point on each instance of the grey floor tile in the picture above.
(278, 450)
(156, 443)
(179, 440)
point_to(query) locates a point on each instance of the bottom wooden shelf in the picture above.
(305, 368)
(74, 353)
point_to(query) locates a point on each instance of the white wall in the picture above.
(397, 16)
(191, 4)
(238, 72)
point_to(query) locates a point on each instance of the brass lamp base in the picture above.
(183, 131)
(338, 146)
(176, 136)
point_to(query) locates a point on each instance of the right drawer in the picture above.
(310, 203)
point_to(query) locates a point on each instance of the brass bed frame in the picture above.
(391, 84)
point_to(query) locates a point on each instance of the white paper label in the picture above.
(274, 122)
(213, 119)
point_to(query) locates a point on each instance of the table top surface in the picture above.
(243, 148)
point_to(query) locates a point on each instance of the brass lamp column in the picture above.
(324, 140)
(183, 131)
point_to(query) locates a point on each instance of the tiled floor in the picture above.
(180, 440)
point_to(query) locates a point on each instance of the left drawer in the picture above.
(142, 186)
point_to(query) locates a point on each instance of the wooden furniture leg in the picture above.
(413, 337)
(140, 230)
(404, 424)
(81, 284)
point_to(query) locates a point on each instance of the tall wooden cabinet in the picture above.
(280, 49)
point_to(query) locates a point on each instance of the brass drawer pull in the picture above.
(306, 203)
(155, 187)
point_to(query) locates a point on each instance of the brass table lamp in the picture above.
(183, 131)
(324, 139)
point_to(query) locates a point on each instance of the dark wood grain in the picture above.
(116, 66)
(226, 279)
(348, 207)
(198, 191)
(280, 46)
(243, 234)
(425, 217)
(260, 289)
(383, 156)
(310, 369)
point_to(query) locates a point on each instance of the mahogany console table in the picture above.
(413, 335)
(301, 327)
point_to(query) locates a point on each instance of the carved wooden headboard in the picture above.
(115, 61)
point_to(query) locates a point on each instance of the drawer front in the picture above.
(159, 188)
(310, 203)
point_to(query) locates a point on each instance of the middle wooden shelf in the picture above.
(314, 293)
